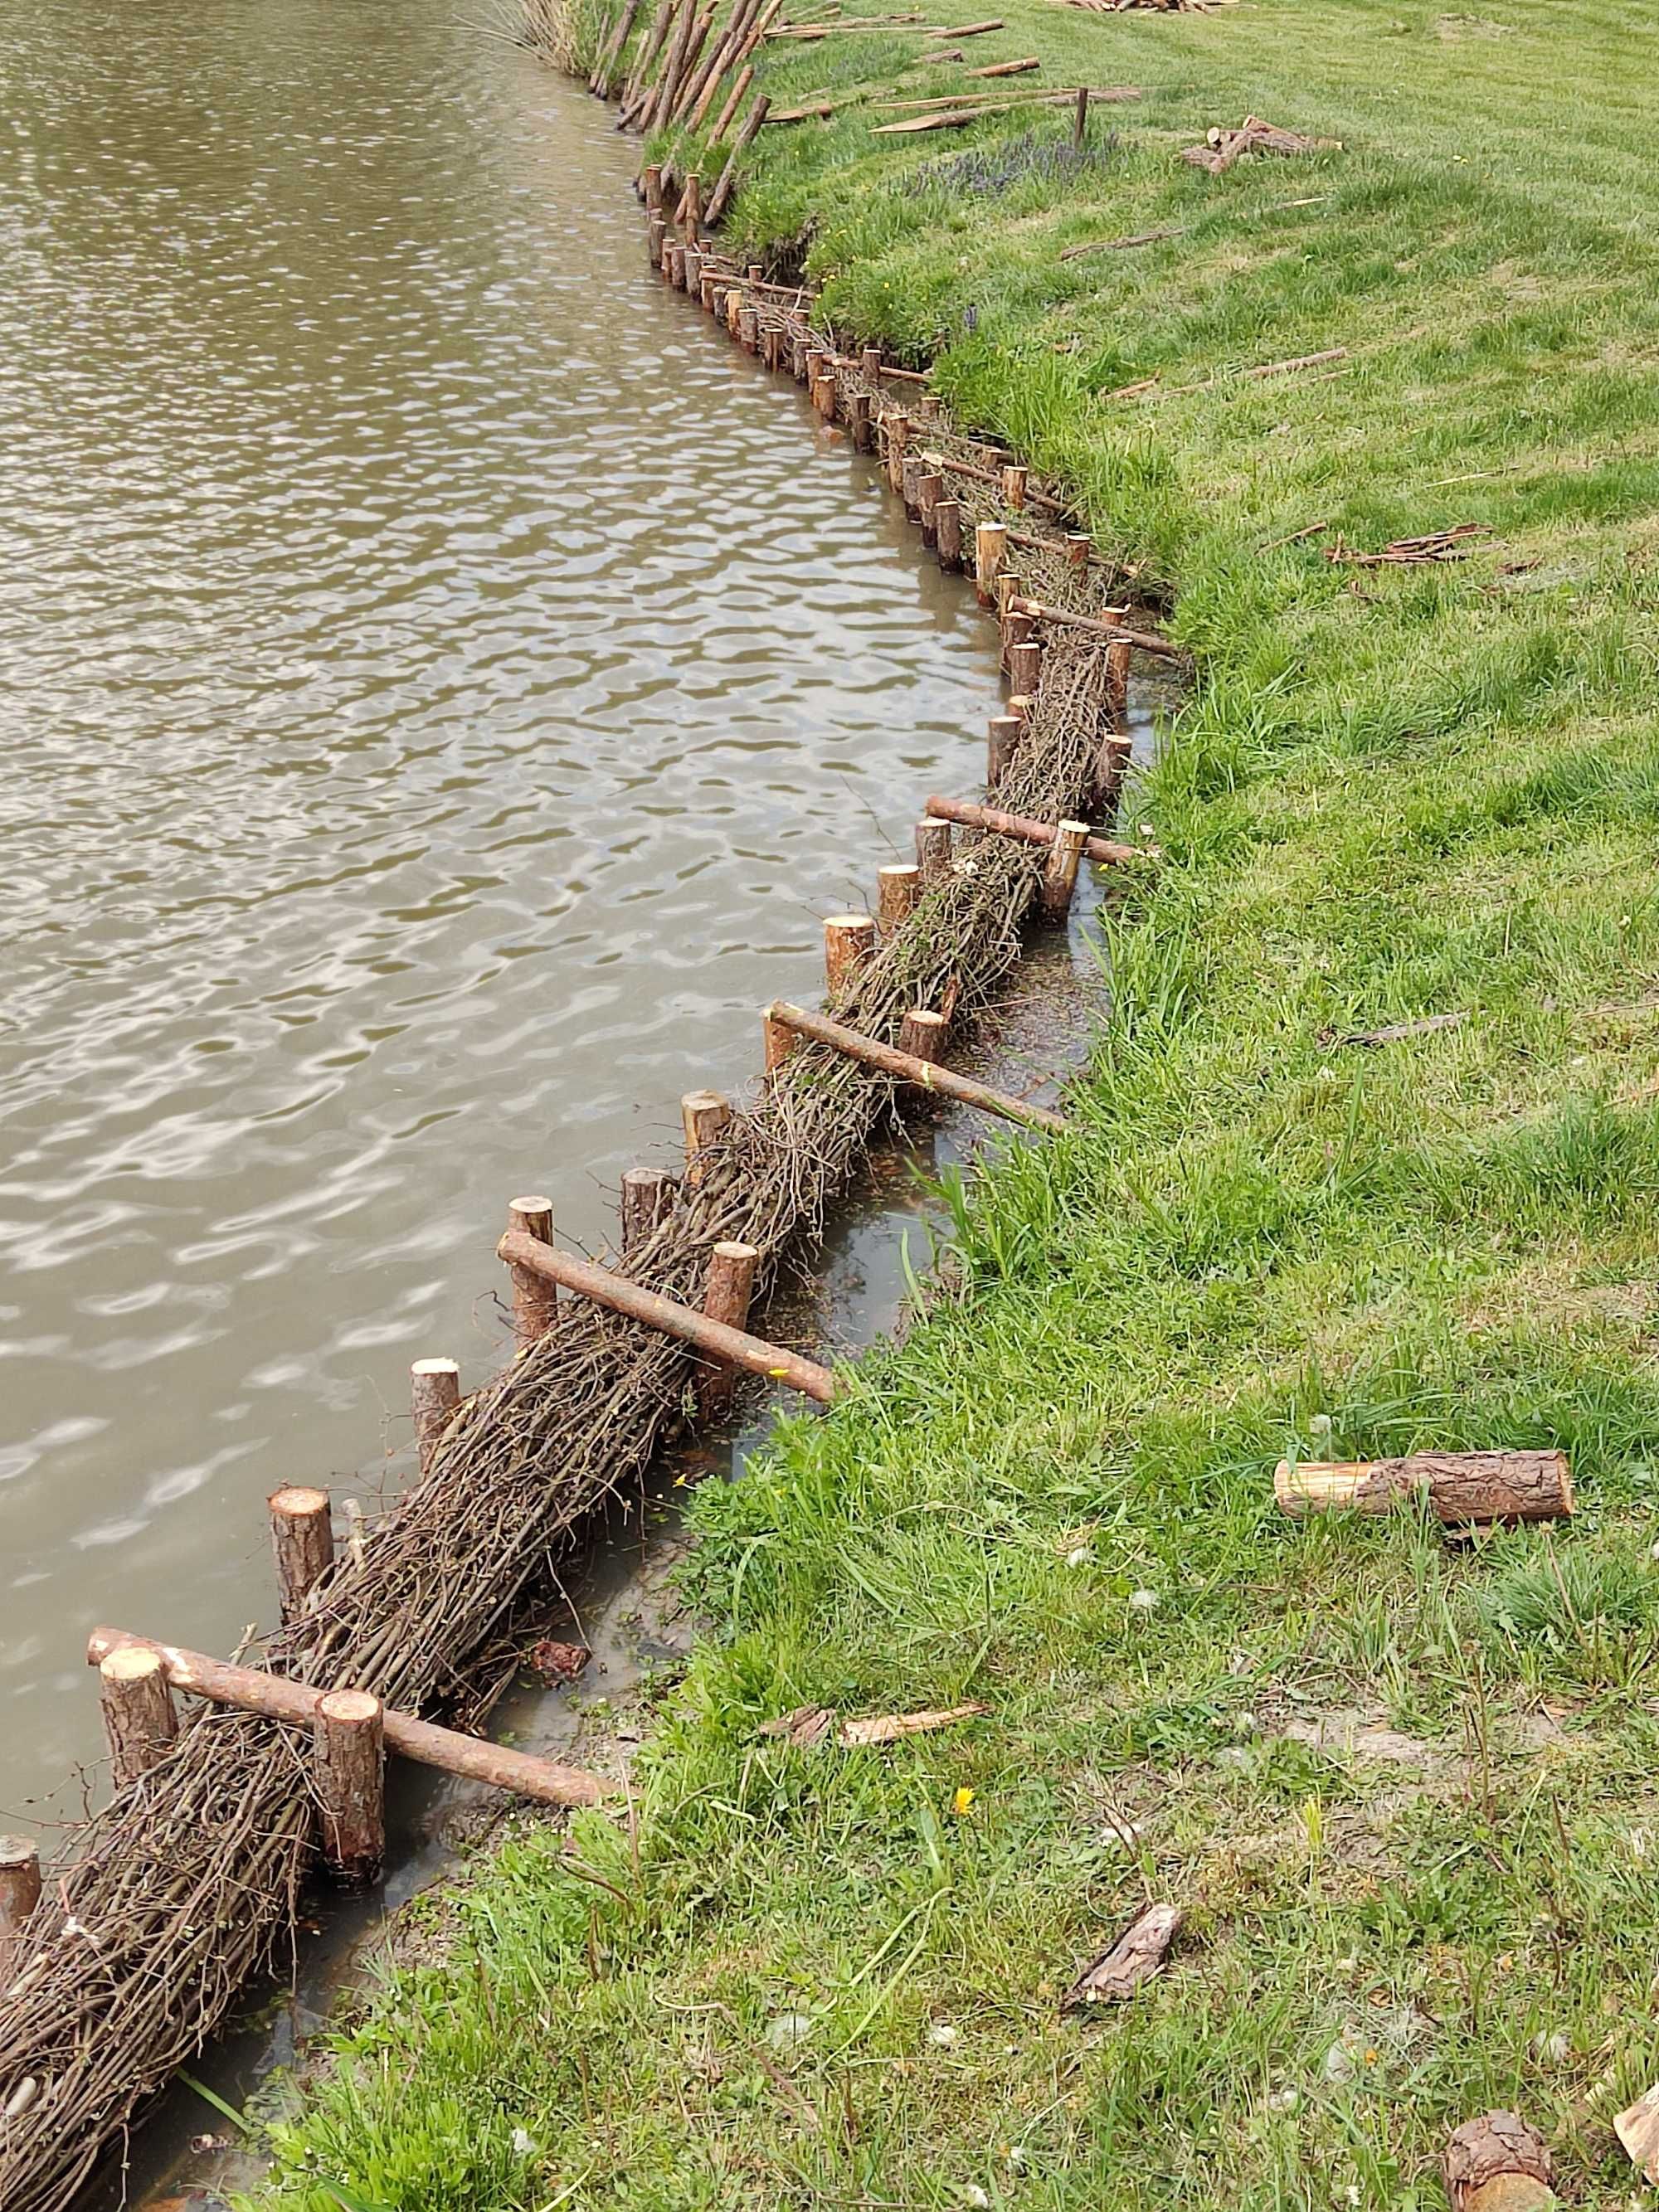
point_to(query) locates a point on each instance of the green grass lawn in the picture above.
(1405, 1790)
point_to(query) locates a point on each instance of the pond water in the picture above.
(444, 686)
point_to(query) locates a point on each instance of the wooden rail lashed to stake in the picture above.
(908, 1067)
(735, 1346)
(1026, 831)
(251, 1690)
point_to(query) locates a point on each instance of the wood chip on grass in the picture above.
(808, 1726)
(1135, 1958)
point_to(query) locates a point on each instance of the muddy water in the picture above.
(444, 685)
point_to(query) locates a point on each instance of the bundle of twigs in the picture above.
(183, 1887)
(1405, 552)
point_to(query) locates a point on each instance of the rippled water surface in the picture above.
(443, 685)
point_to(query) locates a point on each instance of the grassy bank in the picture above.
(1404, 1790)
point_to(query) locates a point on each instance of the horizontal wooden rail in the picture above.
(251, 1690)
(1144, 640)
(993, 476)
(925, 1073)
(733, 1346)
(1026, 831)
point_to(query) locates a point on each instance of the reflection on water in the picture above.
(444, 685)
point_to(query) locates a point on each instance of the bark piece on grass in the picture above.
(1137, 1956)
(1498, 2163)
(1424, 1025)
(890, 1728)
(803, 1730)
(1638, 2129)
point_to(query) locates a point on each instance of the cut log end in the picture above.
(1498, 2163)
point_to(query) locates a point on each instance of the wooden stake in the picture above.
(1005, 735)
(1113, 767)
(898, 888)
(704, 1116)
(656, 231)
(534, 1309)
(777, 1041)
(895, 431)
(734, 102)
(302, 1541)
(1006, 589)
(748, 329)
(620, 1296)
(933, 851)
(947, 532)
(1025, 666)
(1028, 832)
(1060, 877)
(140, 1722)
(746, 129)
(859, 421)
(691, 209)
(909, 486)
(916, 1067)
(849, 941)
(277, 1699)
(923, 1035)
(1080, 119)
(435, 1393)
(1457, 1486)
(1078, 546)
(930, 490)
(870, 362)
(728, 1288)
(1016, 630)
(651, 176)
(19, 1893)
(647, 1200)
(1117, 682)
(1013, 490)
(349, 1772)
(1098, 626)
(990, 548)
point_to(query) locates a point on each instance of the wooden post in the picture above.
(930, 490)
(651, 176)
(1016, 630)
(897, 890)
(1115, 756)
(933, 851)
(858, 418)
(1117, 682)
(19, 1893)
(779, 1042)
(1013, 490)
(435, 1392)
(1078, 547)
(727, 1290)
(647, 1200)
(656, 230)
(1019, 707)
(990, 550)
(826, 394)
(1025, 667)
(1458, 1486)
(1059, 876)
(947, 532)
(748, 329)
(1006, 589)
(140, 1720)
(870, 362)
(691, 208)
(694, 275)
(896, 430)
(535, 1305)
(922, 1034)
(849, 941)
(302, 1542)
(746, 129)
(1005, 735)
(349, 1770)
(1081, 117)
(909, 486)
(704, 1114)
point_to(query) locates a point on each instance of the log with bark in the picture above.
(1459, 1487)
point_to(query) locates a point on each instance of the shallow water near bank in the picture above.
(445, 686)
